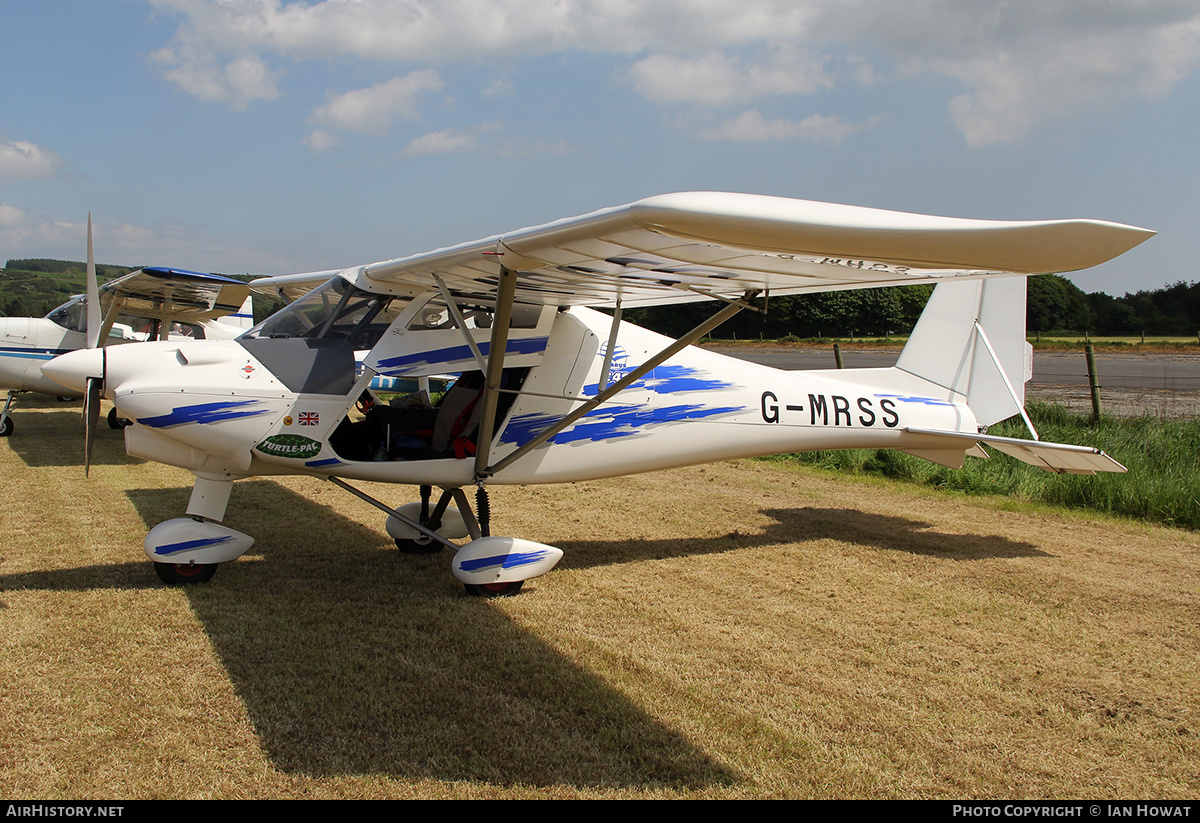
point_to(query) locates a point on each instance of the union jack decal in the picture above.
(309, 418)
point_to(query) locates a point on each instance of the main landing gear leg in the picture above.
(487, 566)
(6, 423)
(187, 550)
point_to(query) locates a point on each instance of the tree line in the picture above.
(35, 287)
(1054, 304)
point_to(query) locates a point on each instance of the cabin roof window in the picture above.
(334, 311)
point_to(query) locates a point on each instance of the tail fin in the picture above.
(244, 318)
(971, 339)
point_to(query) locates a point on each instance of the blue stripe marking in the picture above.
(608, 423)
(504, 561)
(329, 461)
(173, 548)
(670, 380)
(33, 354)
(925, 401)
(184, 274)
(205, 413)
(399, 365)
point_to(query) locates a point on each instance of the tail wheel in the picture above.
(185, 574)
(494, 589)
(6, 428)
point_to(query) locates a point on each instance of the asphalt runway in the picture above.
(1177, 374)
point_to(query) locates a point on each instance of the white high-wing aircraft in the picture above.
(553, 391)
(193, 304)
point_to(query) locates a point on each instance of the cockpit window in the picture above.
(335, 311)
(437, 315)
(71, 315)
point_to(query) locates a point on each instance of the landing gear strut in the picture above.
(487, 566)
(6, 423)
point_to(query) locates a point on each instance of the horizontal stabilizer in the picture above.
(951, 458)
(1061, 458)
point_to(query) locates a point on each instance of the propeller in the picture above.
(91, 413)
(93, 293)
(95, 385)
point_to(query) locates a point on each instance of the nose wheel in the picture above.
(117, 422)
(494, 589)
(6, 423)
(185, 574)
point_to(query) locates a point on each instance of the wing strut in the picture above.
(602, 383)
(495, 369)
(110, 319)
(456, 313)
(641, 371)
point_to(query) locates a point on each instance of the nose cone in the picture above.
(74, 368)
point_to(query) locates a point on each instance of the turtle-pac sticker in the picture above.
(289, 445)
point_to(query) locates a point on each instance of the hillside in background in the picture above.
(35, 287)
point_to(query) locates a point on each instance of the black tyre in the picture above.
(6, 428)
(418, 547)
(495, 589)
(115, 422)
(185, 574)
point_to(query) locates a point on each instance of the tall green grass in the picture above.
(1161, 486)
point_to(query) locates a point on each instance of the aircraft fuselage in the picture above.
(286, 405)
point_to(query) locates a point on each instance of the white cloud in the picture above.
(1027, 63)
(717, 79)
(453, 141)
(752, 127)
(443, 142)
(372, 110)
(241, 80)
(22, 160)
(321, 140)
(1021, 63)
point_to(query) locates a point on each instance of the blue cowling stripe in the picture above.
(505, 561)
(204, 413)
(172, 548)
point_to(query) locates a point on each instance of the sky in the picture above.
(272, 137)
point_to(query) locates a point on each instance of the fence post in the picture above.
(837, 355)
(1093, 382)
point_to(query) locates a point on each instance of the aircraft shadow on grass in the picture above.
(352, 658)
(805, 525)
(41, 441)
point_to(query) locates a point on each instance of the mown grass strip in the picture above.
(1161, 486)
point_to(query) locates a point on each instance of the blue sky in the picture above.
(272, 137)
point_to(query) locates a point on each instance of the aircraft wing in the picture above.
(175, 294)
(689, 246)
(291, 286)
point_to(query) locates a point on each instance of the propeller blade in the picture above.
(91, 410)
(93, 293)
(91, 416)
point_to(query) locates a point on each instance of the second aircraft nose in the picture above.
(74, 368)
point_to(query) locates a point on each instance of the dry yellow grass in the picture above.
(734, 630)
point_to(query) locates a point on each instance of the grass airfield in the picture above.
(739, 630)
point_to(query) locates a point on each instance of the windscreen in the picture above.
(334, 311)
